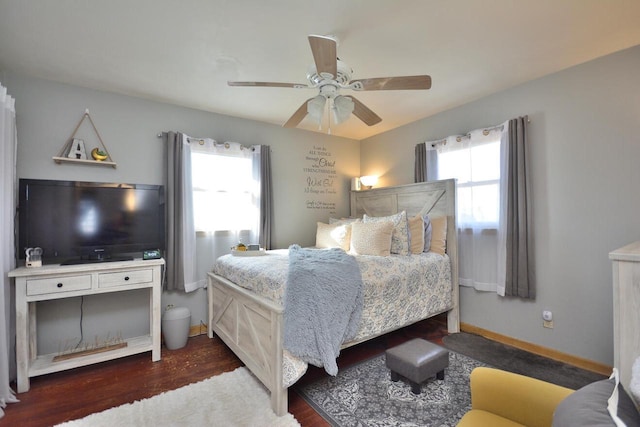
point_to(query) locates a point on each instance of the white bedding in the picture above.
(398, 290)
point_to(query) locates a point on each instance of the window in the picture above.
(473, 159)
(224, 190)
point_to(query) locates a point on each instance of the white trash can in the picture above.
(175, 327)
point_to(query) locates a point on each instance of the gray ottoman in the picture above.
(417, 360)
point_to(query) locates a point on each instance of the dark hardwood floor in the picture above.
(72, 394)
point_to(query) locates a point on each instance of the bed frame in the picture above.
(251, 326)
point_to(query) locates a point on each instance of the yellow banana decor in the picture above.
(98, 154)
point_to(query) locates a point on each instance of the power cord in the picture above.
(81, 319)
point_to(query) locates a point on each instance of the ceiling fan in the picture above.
(329, 75)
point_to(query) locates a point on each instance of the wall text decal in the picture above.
(321, 179)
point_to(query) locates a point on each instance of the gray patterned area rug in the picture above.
(364, 395)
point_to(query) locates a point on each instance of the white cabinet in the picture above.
(57, 281)
(626, 309)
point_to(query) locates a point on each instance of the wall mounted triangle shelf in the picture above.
(74, 151)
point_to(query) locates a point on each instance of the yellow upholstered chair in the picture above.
(504, 399)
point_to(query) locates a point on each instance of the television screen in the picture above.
(76, 221)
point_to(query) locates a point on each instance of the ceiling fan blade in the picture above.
(267, 84)
(363, 112)
(324, 55)
(393, 83)
(297, 117)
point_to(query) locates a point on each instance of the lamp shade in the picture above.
(342, 108)
(369, 180)
(315, 108)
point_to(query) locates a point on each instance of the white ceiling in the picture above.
(184, 52)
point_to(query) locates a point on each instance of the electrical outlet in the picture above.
(547, 319)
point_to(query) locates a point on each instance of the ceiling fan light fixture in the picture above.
(329, 74)
(315, 108)
(342, 108)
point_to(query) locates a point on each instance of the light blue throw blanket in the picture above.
(322, 304)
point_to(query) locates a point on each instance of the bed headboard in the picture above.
(436, 198)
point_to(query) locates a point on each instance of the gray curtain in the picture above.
(266, 197)
(520, 279)
(179, 207)
(420, 170)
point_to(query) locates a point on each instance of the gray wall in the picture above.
(48, 112)
(585, 149)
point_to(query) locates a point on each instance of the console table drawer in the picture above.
(131, 277)
(56, 285)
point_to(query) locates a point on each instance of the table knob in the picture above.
(59, 285)
(126, 278)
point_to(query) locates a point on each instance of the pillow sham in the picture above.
(340, 221)
(372, 238)
(400, 236)
(416, 234)
(333, 236)
(428, 231)
(438, 235)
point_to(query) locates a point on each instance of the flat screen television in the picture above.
(80, 222)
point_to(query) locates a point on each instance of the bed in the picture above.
(250, 321)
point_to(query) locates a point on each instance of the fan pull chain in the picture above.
(329, 114)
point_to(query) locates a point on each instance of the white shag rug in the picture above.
(231, 399)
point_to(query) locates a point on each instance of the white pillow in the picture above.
(400, 237)
(333, 236)
(341, 221)
(438, 234)
(372, 238)
(416, 234)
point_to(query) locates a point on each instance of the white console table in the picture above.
(65, 281)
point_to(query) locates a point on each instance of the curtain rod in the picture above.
(487, 129)
(226, 144)
(159, 135)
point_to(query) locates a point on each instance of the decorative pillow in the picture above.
(372, 238)
(587, 407)
(428, 231)
(333, 236)
(438, 235)
(341, 221)
(416, 234)
(400, 238)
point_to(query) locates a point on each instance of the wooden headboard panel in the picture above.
(436, 198)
